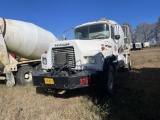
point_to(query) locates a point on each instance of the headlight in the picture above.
(92, 60)
(44, 61)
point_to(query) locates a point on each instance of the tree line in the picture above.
(145, 32)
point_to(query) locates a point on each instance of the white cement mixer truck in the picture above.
(99, 49)
(25, 40)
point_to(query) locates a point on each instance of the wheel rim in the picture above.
(110, 82)
(28, 76)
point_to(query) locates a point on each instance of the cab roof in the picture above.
(111, 22)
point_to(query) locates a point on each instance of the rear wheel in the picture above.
(126, 67)
(129, 66)
(24, 75)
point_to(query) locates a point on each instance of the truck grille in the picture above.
(62, 56)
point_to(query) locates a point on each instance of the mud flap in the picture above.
(10, 79)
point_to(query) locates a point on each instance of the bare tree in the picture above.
(144, 32)
(157, 30)
(159, 21)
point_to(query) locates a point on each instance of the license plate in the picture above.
(48, 80)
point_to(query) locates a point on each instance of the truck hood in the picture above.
(82, 50)
(84, 45)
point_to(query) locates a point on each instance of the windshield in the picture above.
(98, 31)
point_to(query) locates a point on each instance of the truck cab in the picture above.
(95, 54)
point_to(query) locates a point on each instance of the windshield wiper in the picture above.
(99, 36)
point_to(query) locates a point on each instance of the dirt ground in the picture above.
(136, 97)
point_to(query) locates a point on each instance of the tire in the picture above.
(109, 81)
(106, 87)
(126, 67)
(24, 75)
(129, 66)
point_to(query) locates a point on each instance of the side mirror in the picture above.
(117, 37)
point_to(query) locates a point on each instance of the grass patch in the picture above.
(136, 97)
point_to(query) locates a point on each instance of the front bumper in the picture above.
(79, 80)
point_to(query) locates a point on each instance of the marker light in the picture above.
(44, 61)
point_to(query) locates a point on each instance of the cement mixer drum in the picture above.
(26, 39)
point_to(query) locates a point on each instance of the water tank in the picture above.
(26, 39)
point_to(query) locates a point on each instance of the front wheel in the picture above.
(106, 87)
(24, 75)
(110, 81)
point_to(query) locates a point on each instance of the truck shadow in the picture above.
(2, 82)
(136, 96)
(63, 94)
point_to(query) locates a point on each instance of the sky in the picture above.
(58, 15)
